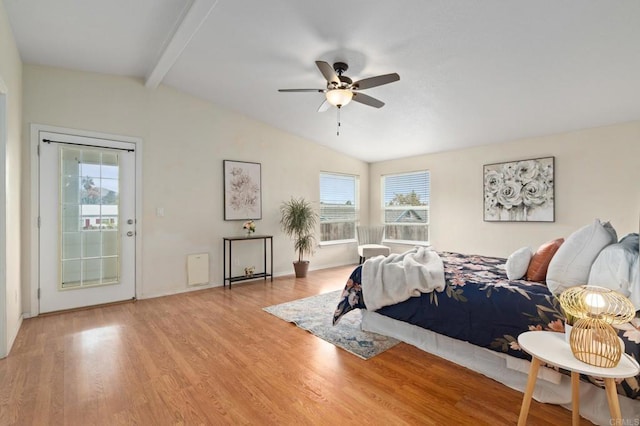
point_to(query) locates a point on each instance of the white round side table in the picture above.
(550, 347)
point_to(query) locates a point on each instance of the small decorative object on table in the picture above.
(249, 270)
(250, 227)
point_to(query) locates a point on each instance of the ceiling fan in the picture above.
(341, 89)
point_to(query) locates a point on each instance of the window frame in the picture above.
(427, 207)
(356, 220)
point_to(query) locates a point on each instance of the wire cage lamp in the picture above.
(593, 340)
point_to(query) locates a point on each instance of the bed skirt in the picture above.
(593, 400)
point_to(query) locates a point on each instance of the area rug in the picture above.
(315, 315)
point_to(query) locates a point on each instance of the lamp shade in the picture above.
(589, 301)
(339, 97)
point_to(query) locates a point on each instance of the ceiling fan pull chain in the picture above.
(338, 130)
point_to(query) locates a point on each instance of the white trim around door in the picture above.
(4, 345)
(34, 204)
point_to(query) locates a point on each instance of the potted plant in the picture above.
(298, 221)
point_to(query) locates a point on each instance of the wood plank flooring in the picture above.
(214, 357)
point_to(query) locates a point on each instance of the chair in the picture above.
(369, 239)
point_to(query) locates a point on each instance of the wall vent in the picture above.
(198, 269)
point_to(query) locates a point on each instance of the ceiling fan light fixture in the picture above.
(339, 97)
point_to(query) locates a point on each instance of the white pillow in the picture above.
(612, 268)
(518, 262)
(571, 264)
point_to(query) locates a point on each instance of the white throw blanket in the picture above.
(397, 277)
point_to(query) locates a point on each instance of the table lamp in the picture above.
(593, 340)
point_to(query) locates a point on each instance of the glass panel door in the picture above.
(89, 213)
(87, 233)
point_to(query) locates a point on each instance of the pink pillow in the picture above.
(537, 270)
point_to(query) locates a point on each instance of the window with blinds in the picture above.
(338, 207)
(405, 206)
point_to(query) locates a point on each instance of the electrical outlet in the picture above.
(236, 261)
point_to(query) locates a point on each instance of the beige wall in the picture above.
(185, 140)
(11, 88)
(597, 175)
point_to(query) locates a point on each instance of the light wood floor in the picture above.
(214, 357)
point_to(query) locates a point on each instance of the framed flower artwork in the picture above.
(242, 190)
(519, 191)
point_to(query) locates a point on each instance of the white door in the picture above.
(87, 221)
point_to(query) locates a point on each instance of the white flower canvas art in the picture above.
(242, 190)
(519, 191)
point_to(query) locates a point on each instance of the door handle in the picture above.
(130, 234)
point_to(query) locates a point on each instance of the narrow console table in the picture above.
(228, 259)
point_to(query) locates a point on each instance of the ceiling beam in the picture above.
(191, 22)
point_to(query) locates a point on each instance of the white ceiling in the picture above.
(471, 72)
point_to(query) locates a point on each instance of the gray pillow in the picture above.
(631, 242)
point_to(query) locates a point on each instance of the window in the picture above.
(405, 199)
(338, 207)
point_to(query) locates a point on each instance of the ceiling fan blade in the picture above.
(324, 106)
(302, 90)
(367, 83)
(328, 72)
(367, 100)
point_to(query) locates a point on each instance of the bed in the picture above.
(475, 321)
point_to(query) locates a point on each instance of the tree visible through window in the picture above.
(406, 206)
(338, 207)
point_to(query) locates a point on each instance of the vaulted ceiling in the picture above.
(471, 72)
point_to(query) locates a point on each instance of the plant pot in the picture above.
(301, 268)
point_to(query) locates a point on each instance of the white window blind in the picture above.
(406, 202)
(338, 206)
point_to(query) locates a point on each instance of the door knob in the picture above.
(130, 234)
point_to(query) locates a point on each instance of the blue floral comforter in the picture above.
(481, 306)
